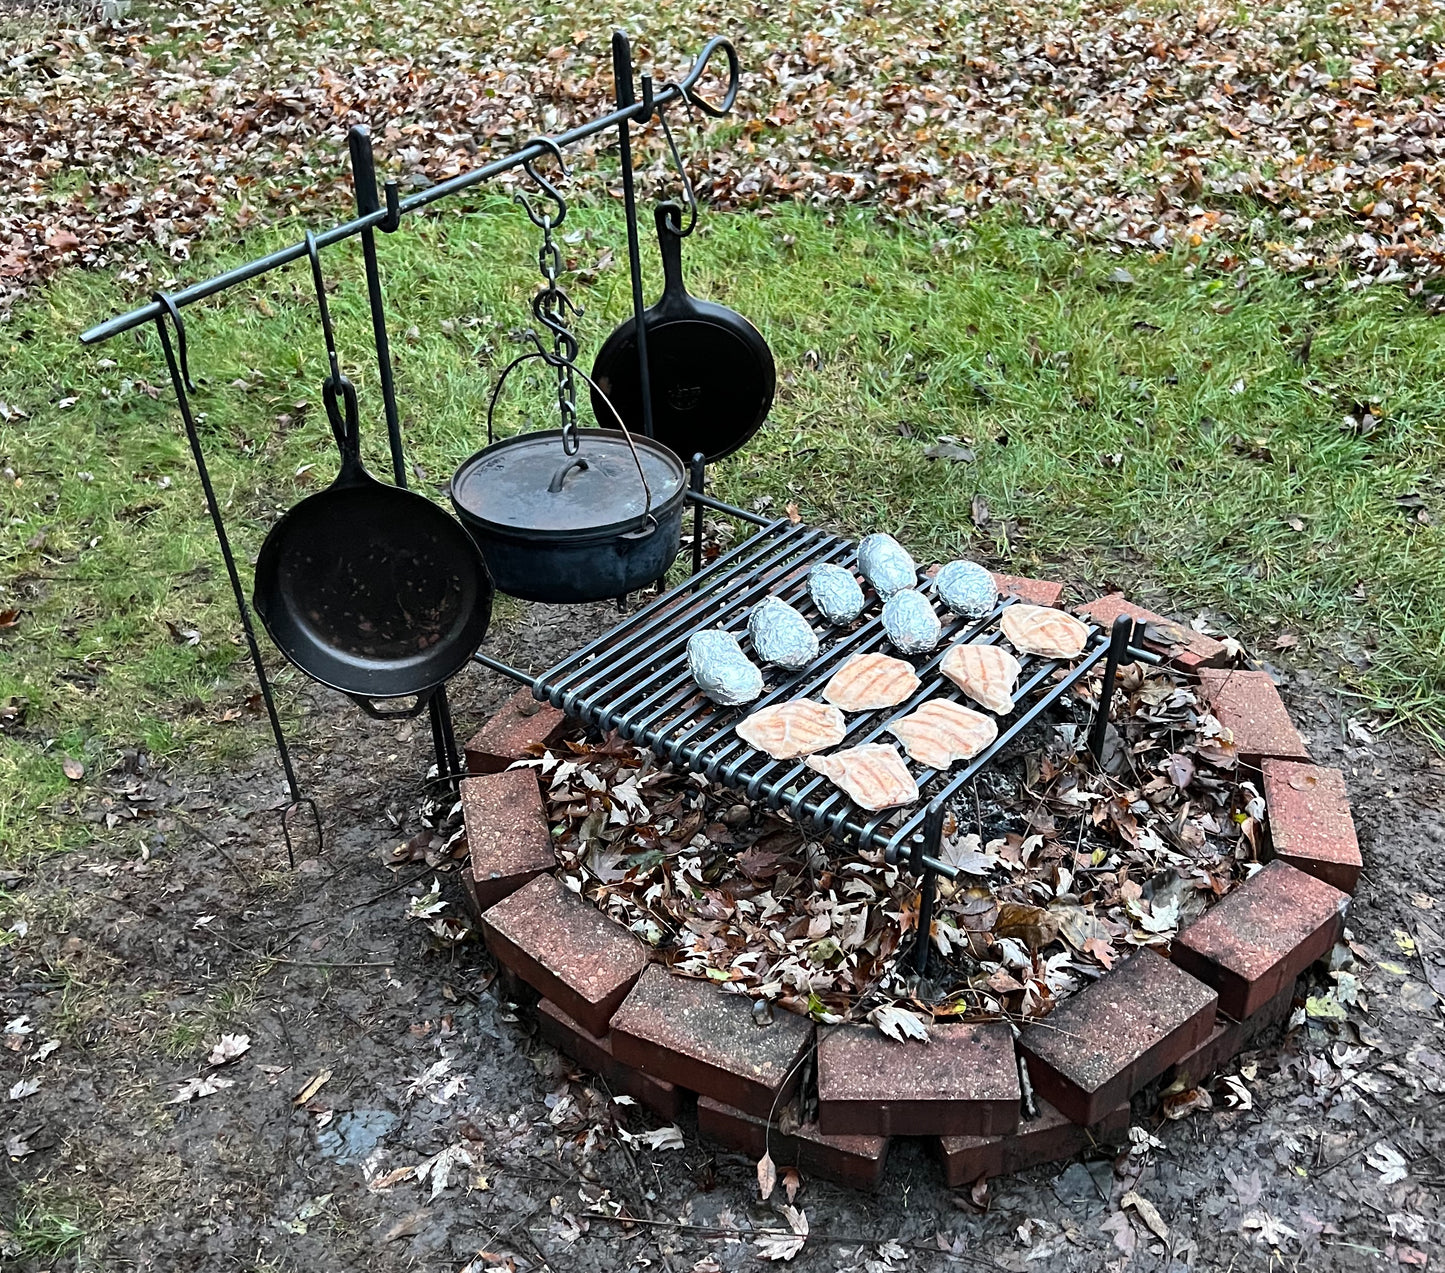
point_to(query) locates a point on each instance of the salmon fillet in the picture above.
(874, 775)
(986, 673)
(1043, 630)
(941, 732)
(869, 681)
(789, 730)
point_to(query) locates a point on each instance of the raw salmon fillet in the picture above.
(941, 732)
(1043, 630)
(986, 673)
(874, 775)
(789, 730)
(869, 681)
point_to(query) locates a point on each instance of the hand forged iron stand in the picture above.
(634, 678)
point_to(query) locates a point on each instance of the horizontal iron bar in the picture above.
(506, 669)
(454, 185)
(707, 501)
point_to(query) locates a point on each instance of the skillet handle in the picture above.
(345, 427)
(669, 243)
(423, 701)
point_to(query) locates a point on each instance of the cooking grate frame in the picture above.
(634, 679)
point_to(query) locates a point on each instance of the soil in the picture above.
(138, 960)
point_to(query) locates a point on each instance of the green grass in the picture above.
(1161, 434)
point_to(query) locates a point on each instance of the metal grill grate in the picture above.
(634, 678)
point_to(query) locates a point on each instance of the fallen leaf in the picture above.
(767, 1176)
(229, 1048)
(1148, 1213)
(9, 618)
(979, 511)
(950, 449)
(72, 769)
(62, 240)
(204, 1085)
(22, 1088)
(776, 1245)
(313, 1086)
(793, 512)
(792, 1182)
(900, 1024)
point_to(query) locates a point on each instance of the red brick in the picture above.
(1259, 938)
(1179, 643)
(964, 1082)
(519, 725)
(572, 1039)
(565, 948)
(1229, 1038)
(1310, 824)
(695, 1035)
(1037, 592)
(856, 1161)
(507, 834)
(1050, 1137)
(1248, 705)
(1103, 1044)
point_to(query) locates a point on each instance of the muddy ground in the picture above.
(137, 960)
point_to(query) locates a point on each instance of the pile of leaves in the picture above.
(1064, 867)
(1139, 127)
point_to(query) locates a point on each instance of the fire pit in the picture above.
(744, 932)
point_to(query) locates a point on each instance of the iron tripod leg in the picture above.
(1120, 636)
(928, 845)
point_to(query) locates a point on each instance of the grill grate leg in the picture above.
(1120, 635)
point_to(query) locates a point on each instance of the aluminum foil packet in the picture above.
(966, 588)
(910, 622)
(721, 669)
(885, 563)
(781, 635)
(835, 592)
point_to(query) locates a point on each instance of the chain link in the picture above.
(550, 306)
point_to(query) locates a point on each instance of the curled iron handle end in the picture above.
(688, 82)
(167, 302)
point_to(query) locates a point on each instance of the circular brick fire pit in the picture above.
(992, 1099)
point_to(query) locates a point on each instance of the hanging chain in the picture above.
(550, 306)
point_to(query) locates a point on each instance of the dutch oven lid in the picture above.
(527, 483)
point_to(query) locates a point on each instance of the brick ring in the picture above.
(661, 1039)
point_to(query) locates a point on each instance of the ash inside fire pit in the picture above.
(1063, 867)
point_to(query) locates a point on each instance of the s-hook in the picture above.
(182, 385)
(551, 304)
(689, 194)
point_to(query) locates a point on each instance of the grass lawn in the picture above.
(1162, 434)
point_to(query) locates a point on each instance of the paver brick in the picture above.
(964, 1082)
(1102, 1045)
(1229, 1038)
(573, 1039)
(856, 1161)
(1310, 824)
(1179, 643)
(565, 948)
(519, 725)
(692, 1034)
(1248, 705)
(1050, 1137)
(1259, 938)
(507, 834)
(1036, 592)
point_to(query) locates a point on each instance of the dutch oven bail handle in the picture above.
(344, 418)
(565, 469)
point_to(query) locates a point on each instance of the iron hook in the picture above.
(165, 300)
(689, 194)
(544, 222)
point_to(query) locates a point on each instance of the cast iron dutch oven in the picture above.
(371, 589)
(599, 523)
(711, 371)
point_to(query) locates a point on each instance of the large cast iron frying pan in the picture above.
(711, 371)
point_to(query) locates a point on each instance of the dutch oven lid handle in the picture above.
(560, 476)
(555, 484)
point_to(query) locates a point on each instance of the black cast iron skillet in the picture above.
(711, 371)
(371, 589)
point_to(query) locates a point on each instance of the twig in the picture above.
(296, 963)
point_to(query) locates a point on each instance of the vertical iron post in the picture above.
(929, 844)
(1119, 637)
(622, 74)
(699, 476)
(363, 172)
